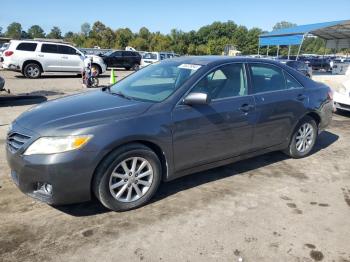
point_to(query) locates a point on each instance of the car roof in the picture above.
(213, 60)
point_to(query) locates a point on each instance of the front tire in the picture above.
(32, 70)
(303, 138)
(127, 178)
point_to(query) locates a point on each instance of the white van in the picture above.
(32, 57)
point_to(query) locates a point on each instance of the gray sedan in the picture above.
(165, 121)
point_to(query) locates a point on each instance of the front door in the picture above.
(220, 129)
(70, 60)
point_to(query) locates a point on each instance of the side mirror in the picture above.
(197, 99)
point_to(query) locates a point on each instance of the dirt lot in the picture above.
(269, 208)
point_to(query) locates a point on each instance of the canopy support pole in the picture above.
(300, 48)
(288, 51)
(278, 50)
(259, 50)
(267, 51)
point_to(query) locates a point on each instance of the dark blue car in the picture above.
(167, 120)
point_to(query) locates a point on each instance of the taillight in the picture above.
(8, 53)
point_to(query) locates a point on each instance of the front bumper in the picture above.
(68, 173)
(341, 101)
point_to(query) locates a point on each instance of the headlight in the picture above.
(53, 145)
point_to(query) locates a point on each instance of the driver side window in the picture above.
(226, 81)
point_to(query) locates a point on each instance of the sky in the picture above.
(163, 15)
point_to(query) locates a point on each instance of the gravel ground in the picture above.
(269, 208)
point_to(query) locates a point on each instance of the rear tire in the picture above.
(97, 69)
(32, 70)
(136, 67)
(127, 68)
(121, 171)
(303, 138)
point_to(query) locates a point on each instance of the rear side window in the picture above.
(49, 48)
(291, 83)
(26, 47)
(67, 50)
(117, 53)
(267, 78)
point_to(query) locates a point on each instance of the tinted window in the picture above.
(227, 81)
(267, 78)
(117, 53)
(291, 82)
(49, 48)
(67, 50)
(26, 46)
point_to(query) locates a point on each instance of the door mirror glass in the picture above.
(197, 99)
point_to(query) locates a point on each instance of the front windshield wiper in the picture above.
(118, 93)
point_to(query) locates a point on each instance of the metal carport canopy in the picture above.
(336, 34)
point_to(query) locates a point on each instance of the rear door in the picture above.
(219, 130)
(49, 57)
(117, 59)
(280, 102)
(70, 60)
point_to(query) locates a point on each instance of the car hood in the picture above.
(79, 111)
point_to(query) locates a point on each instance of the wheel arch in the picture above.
(32, 62)
(150, 144)
(314, 115)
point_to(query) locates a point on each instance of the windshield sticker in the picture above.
(189, 66)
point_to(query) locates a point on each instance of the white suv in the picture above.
(33, 57)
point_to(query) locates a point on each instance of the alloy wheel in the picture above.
(33, 71)
(131, 179)
(304, 137)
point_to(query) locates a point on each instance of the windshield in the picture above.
(155, 82)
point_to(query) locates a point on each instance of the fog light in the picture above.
(44, 188)
(48, 188)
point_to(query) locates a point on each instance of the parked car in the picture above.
(165, 121)
(300, 66)
(3, 47)
(318, 63)
(32, 58)
(342, 98)
(153, 57)
(120, 58)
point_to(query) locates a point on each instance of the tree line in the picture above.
(207, 40)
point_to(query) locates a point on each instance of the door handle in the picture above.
(41, 55)
(246, 108)
(301, 97)
(65, 57)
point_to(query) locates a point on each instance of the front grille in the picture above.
(15, 141)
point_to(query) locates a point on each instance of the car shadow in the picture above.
(21, 100)
(181, 184)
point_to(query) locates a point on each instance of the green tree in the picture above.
(282, 25)
(144, 33)
(35, 31)
(14, 30)
(55, 33)
(85, 29)
(122, 37)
